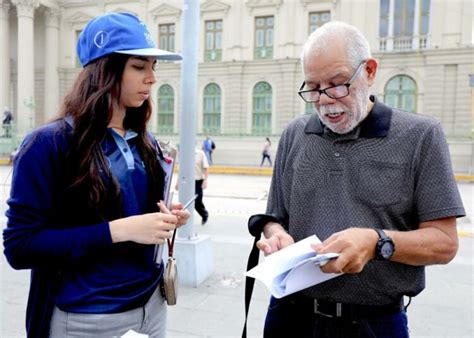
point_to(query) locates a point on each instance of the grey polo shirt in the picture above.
(391, 172)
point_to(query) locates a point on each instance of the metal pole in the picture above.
(187, 138)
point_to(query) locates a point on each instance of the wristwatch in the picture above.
(385, 247)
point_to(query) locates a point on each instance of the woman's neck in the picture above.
(116, 123)
(118, 116)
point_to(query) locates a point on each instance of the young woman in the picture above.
(84, 211)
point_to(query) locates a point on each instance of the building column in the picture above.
(51, 76)
(391, 20)
(5, 56)
(26, 67)
(416, 26)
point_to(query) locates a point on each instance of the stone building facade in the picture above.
(249, 66)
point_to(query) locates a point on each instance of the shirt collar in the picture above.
(129, 134)
(376, 124)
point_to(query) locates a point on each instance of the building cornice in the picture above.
(252, 4)
(78, 18)
(165, 10)
(213, 6)
(123, 9)
(305, 3)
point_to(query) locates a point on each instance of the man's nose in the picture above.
(325, 99)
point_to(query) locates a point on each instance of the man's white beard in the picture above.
(353, 114)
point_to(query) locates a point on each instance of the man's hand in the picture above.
(356, 246)
(274, 238)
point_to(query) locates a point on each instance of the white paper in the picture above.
(293, 268)
(134, 334)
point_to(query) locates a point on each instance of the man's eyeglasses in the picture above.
(334, 92)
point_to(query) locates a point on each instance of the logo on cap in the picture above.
(149, 39)
(101, 39)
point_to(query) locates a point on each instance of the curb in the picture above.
(464, 177)
(231, 170)
(464, 233)
(260, 171)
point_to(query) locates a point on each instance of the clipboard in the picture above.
(167, 163)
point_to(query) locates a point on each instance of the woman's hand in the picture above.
(152, 228)
(182, 214)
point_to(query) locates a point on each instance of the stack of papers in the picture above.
(293, 268)
(134, 334)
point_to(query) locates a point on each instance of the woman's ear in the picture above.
(371, 68)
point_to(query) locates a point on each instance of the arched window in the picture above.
(212, 109)
(262, 109)
(400, 92)
(165, 110)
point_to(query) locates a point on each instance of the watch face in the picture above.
(386, 250)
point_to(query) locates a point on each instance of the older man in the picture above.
(374, 183)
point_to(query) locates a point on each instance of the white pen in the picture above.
(188, 203)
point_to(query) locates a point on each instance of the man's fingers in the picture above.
(286, 241)
(264, 246)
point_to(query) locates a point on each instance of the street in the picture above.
(216, 307)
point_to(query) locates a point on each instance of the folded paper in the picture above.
(293, 268)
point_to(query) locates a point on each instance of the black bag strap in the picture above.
(255, 225)
(250, 282)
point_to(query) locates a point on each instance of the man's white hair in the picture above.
(356, 45)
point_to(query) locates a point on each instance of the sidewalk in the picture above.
(267, 171)
(215, 309)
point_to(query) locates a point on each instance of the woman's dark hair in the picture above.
(90, 105)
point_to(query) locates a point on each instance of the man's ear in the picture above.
(371, 68)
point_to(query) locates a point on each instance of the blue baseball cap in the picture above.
(122, 33)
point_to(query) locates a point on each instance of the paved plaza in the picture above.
(216, 307)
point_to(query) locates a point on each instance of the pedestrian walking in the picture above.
(7, 122)
(267, 152)
(208, 146)
(201, 174)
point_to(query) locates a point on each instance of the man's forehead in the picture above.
(327, 71)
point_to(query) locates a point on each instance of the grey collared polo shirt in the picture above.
(391, 172)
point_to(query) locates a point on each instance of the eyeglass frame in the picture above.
(324, 91)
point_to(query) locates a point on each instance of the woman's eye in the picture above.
(138, 67)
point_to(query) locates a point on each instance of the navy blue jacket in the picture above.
(51, 230)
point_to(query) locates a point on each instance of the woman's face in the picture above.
(137, 80)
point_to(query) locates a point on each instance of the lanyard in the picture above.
(171, 244)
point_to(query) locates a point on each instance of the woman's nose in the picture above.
(151, 77)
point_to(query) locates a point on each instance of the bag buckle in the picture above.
(338, 310)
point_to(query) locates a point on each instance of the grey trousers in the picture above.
(149, 319)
